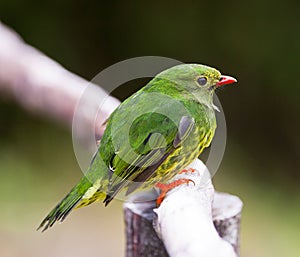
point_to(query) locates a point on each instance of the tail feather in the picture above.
(91, 188)
(66, 205)
(60, 212)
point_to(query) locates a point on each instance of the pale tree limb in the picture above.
(191, 221)
(43, 86)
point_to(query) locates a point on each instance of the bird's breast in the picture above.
(182, 156)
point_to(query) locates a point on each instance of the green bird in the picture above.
(150, 137)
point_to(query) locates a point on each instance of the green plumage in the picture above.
(149, 138)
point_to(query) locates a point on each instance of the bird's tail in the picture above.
(84, 193)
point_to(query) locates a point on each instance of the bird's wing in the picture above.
(151, 139)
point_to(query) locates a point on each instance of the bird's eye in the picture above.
(202, 81)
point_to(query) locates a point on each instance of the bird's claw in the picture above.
(191, 170)
(165, 188)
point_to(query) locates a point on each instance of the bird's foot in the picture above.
(165, 188)
(189, 170)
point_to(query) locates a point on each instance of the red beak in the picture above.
(225, 80)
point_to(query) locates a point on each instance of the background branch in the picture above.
(41, 85)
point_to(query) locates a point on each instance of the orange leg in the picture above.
(165, 188)
(187, 170)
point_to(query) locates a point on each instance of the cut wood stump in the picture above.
(142, 239)
(193, 220)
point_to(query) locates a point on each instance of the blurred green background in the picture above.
(257, 42)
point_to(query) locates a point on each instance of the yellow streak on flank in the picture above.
(92, 190)
(93, 194)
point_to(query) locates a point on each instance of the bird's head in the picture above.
(198, 79)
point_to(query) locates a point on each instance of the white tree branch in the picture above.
(184, 219)
(43, 86)
(192, 220)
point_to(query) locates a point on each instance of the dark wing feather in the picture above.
(185, 127)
